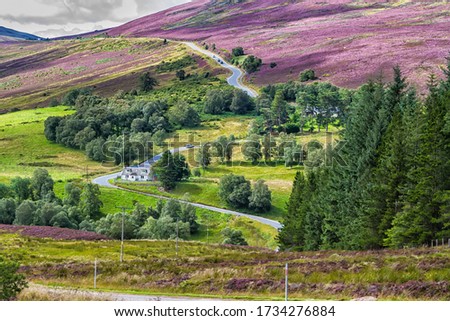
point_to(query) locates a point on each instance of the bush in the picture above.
(54, 102)
(235, 190)
(251, 64)
(11, 283)
(7, 211)
(238, 51)
(181, 74)
(196, 172)
(261, 198)
(308, 75)
(71, 97)
(292, 128)
(147, 82)
(233, 237)
(175, 65)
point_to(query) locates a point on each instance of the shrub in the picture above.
(71, 97)
(196, 172)
(233, 237)
(147, 82)
(11, 283)
(181, 74)
(54, 102)
(235, 190)
(175, 65)
(251, 64)
(292, 128)
(308, 75)
(238, 51)
(261, 198)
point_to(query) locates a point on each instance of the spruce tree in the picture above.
(423, 218)
(292, 233)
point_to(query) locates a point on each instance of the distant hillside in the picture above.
(33, 74)
(345, 41)
(7, 34)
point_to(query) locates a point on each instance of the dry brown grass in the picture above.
(41, 293)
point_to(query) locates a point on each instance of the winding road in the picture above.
(234, 80)
(104, 182)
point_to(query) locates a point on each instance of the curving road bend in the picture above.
(235, 79)
(104, 182)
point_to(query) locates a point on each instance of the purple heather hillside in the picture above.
(55, 233)
(345, 41)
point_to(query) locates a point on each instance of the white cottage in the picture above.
(137, 174)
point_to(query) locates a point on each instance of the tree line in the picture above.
(124, 129)
(268, 149)
(32, 202)
(117, 129)
(387, 182)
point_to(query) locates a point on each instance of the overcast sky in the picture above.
(51, 18)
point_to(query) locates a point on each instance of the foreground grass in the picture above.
(152, 267)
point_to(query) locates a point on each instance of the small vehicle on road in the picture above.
(190, 146)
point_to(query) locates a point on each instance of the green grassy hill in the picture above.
(23, 148)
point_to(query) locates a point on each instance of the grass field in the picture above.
(23, 148)
(211, 128)
(205, 190)
(152, 267)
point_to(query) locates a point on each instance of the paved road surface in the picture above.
(110, 296)
(236, 79)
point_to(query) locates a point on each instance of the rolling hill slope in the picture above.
(7, 34)
(32, 74)
(345, 41)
